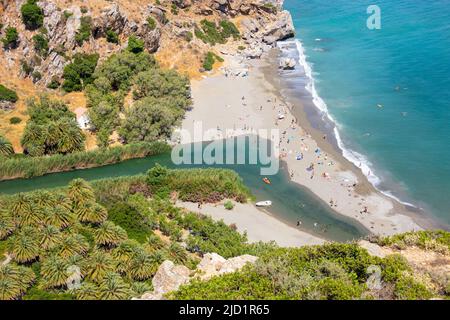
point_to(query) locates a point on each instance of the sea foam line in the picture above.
(354, 157)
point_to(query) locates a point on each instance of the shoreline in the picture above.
(221, 95)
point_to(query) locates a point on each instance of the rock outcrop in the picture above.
(170, 277)
(287, 63)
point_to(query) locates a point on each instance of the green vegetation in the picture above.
(11, 38)
(331, 271)
(210, 32)
(114, 247)
(112, 36)
(110, 229)
(6, 148)
(32, 15)
(51, 129)
(84, 32)
(210, 59)
(160, 98)
(188, 36)
(135, 44)
(228, 205)
(15, 120)
(54, 83)
(151, 23)
(429, 240)
(27, 167)
(79, 73)
(41, 44)
(7, 94)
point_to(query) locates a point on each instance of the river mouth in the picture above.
(291, 202)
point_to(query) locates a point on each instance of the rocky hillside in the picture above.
(40, 38)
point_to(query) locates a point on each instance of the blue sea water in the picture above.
(388, 90)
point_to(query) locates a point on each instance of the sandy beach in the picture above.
(259, 225)
(224, 102)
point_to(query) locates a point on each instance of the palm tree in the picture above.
(19, 203)
(7, 225)
(59, 217)
(98, 265)
(142, 265)
(54, 272)
(74, 244)
(80, 192)
(14, 281)
(87, 291)
(24, 246)
(43, 199)
(123, 254)
(109, 235)
(6, 148)
(154, 243)
(49, 237)
(177, 253)
(30, 215)
(114, 288)
(91, 212)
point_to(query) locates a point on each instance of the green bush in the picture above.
(84, 32)
(210, 32)
(135, 44)
(54, 83)
(407, 288)
(130, 219)
(210, 59)
(7, 94)
(229, 205)
(15, 120)
(79, 73)
(32, 15)
(151, 23)
(41, 44)
(11, 38)
(112, 36)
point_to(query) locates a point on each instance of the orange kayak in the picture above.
(266, 181)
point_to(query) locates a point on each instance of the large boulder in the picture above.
(280, 29)
(168, 278)
(287, 63)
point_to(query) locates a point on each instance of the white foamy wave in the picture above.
(354, 157)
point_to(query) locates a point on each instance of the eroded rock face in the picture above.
(170, 277)
(111, 18)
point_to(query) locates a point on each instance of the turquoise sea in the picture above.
(387, 90)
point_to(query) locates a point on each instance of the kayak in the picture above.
(266, 181)
(266, 203)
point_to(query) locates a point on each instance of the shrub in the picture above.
(407, 288)
(210, 32)
(84, 32)
(54, 83)
(151, 23)
(11, 38)
(112, 36)
(209, 60)
(36, 76)
(228, 205)
(41, 44)
(7, 94)
(15, 120)
(32, 15)
(188, 36)
(135, 44)
(130, 219)
(79, 73)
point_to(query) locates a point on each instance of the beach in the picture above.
(257, 224)
(227, 105)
